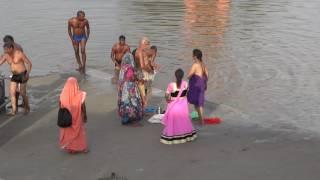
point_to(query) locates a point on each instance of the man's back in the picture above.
(18, 47)
(137, 57)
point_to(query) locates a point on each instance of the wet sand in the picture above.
(29, 144)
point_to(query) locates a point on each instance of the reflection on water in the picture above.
(205, 27)
(262, 55)
(206, 22)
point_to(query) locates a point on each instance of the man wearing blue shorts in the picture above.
(79, 31)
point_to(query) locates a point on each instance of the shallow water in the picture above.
(262, 55)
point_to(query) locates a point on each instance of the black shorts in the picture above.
(19, 78)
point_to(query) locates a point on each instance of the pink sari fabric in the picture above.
(73, 139)
(178, 127)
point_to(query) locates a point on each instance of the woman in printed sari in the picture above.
(73, 139)
(129, 99)
(178, 127)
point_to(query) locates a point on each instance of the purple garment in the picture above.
(197, 87)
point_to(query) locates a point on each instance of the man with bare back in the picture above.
(10, 39)
(17, 61)
(141, 58)
(149, 76)
(117, 53)
(79, 31)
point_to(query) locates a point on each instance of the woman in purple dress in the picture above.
(198, 77)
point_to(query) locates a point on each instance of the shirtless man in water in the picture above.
(9, 39)
(141, 58)
(149, 73)
(118, 51)
(79, 31)
(17, 61)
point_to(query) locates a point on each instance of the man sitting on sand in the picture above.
(118, 51)
(17, 60)
(79, 31)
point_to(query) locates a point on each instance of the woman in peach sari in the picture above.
(73, 139)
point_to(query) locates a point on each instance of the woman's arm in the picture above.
(207, 73)
(168, 91)
(168, 97)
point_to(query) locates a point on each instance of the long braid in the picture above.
(179, 75)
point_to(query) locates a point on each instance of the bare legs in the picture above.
(23, 93)
(148, 90)
(81, 63)
(12, 92)
(76, 51)
(116, 74)
(83, 55)
(142, 93)
(200, 113)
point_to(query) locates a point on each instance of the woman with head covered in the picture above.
(73, 139)
(129, 99)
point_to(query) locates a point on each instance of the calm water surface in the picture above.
(262, 55)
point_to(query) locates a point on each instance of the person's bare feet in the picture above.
(83, 70)
(26, 109)
(137, 124)
(71, 151)
(80, 69)
(11, 113)
(77, 152)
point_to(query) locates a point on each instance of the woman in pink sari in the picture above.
(178, 127)
(73, 139)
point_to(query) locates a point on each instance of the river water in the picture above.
(262, 55)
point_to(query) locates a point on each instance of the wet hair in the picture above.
(144, 40)
(80, 12)
(8, 45)
(179, 75)
(198, 54)
(122, 37)
(154, 47)
(8, 38)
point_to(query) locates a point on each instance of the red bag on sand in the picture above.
(214, 120)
